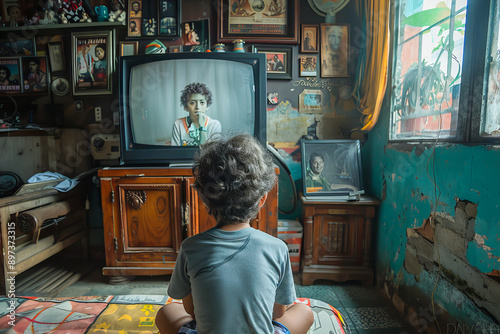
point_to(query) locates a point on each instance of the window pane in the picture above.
(490, 114)
(427, 75)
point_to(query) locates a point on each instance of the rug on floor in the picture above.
(118, 314)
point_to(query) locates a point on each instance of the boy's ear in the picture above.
(262, 201)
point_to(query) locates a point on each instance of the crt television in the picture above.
(150, 100)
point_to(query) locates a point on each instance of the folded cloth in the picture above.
(65, 185)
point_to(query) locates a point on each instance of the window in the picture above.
(445, 59)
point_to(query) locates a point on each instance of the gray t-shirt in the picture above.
(235, 278)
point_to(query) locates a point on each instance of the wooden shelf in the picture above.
(84, 25)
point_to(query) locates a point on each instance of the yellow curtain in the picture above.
(373, 61)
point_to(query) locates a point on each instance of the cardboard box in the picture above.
(290, 231)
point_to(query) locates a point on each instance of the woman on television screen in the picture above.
(196, 128)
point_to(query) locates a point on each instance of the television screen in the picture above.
(172, 103)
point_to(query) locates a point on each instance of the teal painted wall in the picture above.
(403, 181)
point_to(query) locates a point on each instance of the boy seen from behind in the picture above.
(233, 278)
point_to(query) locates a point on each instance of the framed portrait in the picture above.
(311, 101)
(17, 46)
(331, 167)
(334, 50)
(129, 48)
(169, 13)
(92, 56)
(134, 18)
(35, 75)
(10, 75)
(279, 60)
(258, 21)
(56, 58)
(195, 36)
(308, 66)
(309, 38)
(12, 9)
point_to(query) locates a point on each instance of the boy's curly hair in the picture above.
(232, 173)
(195, 88)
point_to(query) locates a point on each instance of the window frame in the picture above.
(472, 78)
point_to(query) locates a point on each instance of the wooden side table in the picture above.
(337, 239)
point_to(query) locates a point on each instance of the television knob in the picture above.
(98, 142)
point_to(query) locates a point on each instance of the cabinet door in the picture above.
(199, 219)
(338, 240)
(148, 220)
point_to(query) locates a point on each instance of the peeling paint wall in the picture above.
(457, 185)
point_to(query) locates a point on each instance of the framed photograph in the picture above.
(259, 21)
(56, 57)
(10, 75)
(92, 56)
(195, 36)
(308, 66)
(17, 46)
(279, 60)
(311, 101)
(331, 167)
(129, 48)
(134, 18)
(309, 40)
(334, 50)
(12, 9)
(169, 13)
(35, 75)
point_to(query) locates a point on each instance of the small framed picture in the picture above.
(334, 50)
(331, 167)
(308, 66)
(134, 18)
(311, 101)
(35, 75)
(12, 10)
(195, 36)
(17, 46)
(168, 18)
(92, 56)
(56, 57)
(279, 60)
(309, 42)
(129, 48)
(10, 75)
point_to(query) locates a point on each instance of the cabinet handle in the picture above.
(134, 175)
(135, 198)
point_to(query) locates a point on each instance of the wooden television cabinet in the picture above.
(147, 212)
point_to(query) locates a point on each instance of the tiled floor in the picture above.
(365, 309)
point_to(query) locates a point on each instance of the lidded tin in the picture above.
(219, 47)
(238, 45)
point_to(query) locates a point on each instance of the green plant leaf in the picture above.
(427, 17)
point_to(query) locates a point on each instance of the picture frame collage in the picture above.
(154, 18)
(21, 71)
(331, 42)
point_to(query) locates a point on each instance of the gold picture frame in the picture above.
(129, 48)
(311, 101)
(309, 38)
(334, 50)
(257, 22)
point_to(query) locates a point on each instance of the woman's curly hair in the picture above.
(232, 173)
(195, 88)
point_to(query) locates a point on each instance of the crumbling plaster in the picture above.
(416, 182)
